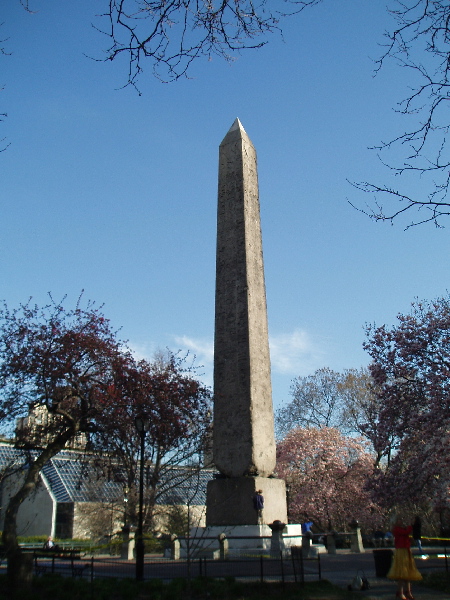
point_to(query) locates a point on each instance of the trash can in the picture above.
(383, 560)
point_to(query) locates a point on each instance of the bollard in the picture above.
(277, 542)
(175, 547)
(306, 545)
(357, 544)
(331, 542)
(128, 543)
(223, 541)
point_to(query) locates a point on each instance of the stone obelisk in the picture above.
(243, 432)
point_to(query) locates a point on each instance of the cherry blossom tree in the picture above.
(326, 473)
(411, 368)
(344, 400)
(59, 361)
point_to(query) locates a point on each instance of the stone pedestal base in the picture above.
(243, 541)
(229, 501)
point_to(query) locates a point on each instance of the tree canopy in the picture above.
(59, 361)
(175, 408)
(64, 373)
(326, 473)
(400, 406)
(344, 400)
(316, 402)
(411, 368)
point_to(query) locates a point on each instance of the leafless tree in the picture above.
(4, 52)
(344, 400)
(420, 43)
(170, 34)
(362, 408)
(173, 33)
(317, 401)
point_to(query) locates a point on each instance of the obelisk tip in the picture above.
(237, 125)
(236, 131)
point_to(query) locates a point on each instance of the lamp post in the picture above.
(142, 426)
(126, 489)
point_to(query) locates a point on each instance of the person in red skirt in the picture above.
(403, 568)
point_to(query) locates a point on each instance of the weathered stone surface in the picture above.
(243, 437)
(230, 501)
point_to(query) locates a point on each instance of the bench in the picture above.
(74, 553)
(58, 557)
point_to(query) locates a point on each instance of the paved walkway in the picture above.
(341, 568)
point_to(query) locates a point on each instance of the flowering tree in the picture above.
(57, 361)
(344, 400)
(175, 408)
(326, 473)
(411, 368)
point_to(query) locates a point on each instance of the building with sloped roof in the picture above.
(75, 500)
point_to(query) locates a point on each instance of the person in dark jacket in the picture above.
(417, 533)
(258, 505)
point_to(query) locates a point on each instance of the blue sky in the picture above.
(115, 193)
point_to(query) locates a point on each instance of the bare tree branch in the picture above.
(434, 209)
(173, 33)
(420, 43)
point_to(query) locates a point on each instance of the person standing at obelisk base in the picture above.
(258, 505)
(243, 432)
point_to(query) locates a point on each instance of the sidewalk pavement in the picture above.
(341, 568)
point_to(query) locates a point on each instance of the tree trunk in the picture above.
(20, 564)
(20, 570)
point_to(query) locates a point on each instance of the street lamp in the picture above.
(142, 426)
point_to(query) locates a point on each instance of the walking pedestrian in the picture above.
(403, 568)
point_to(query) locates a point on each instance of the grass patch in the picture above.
(59, 588)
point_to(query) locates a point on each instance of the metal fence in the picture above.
(290, 565)
(292, 568)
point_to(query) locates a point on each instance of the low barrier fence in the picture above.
(292, 568)
(294, 563)
(295, 567)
